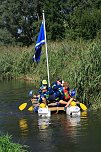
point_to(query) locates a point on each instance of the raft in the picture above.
(46, 111)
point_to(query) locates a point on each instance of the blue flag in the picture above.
(39, 43)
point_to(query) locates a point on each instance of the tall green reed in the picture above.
(77, 62)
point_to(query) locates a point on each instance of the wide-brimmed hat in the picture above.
(44, 81)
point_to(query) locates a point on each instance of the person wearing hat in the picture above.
(43, 83)
(47, 95)
(37, 97)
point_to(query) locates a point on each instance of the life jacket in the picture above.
(55, 86)
(43, 95)
(66, 94)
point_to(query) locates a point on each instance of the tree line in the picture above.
(20, 20)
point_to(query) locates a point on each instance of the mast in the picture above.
(46, 49)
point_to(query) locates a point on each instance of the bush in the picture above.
(6, 145)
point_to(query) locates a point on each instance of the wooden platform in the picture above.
(56, 108)
(52, 107)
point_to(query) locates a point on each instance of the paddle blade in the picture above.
(83, 107)
(22, 106)
(30, 108)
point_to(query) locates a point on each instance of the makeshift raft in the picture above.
(46, 111)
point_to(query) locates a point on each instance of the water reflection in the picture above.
(23, 124)
(73, 121)
(43, 122)
(84, 114)
(60, 133)
(72, 126)
(45, 135)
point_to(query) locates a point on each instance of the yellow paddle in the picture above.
(22, 106)
(31, 108)
(83, 106)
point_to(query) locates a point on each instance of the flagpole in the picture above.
(46, 49)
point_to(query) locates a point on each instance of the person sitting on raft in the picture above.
(44, 83)
(51, 94)
(61, 94)
(57, 85)
(43, 95)
(36, 97)
(41, 98)
(56, 93)
(68, 97)
(48, 95)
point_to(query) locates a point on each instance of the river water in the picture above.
(59, 133)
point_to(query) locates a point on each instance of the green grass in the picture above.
(6, 145)
(77, 62)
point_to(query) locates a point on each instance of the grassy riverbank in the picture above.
(77, 62)
(6, 145)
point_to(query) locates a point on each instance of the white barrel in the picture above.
(73, 110)
(44, 112)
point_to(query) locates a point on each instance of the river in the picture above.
(59, 133)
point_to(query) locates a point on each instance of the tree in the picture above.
(20, 18)
(85, 20)
(54, 19)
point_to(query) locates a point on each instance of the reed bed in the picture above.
(77, 62)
